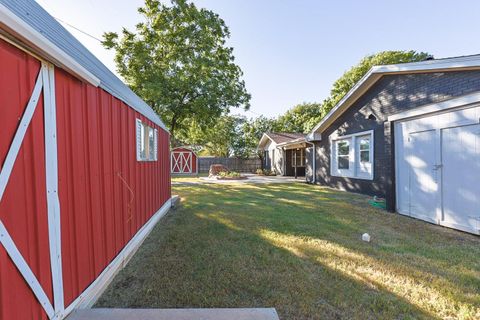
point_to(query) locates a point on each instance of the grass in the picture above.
(297, 248)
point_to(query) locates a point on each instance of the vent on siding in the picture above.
(139, 139)
(155, 144)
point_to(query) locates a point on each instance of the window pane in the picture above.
(365, 155)
(343, 162)
(364, 144)
(151, 143)
(343, 148)
(143, 151)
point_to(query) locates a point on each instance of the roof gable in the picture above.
(375, 73)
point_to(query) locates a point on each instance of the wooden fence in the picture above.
(234, 164)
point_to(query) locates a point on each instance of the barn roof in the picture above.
(42, 31)
(471, 62)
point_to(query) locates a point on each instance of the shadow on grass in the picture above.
(297, 248)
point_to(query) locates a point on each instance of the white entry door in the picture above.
(437, 161)
(423, 175)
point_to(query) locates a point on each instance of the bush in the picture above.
(229, 174)
(266, 172)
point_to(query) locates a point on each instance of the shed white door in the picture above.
(438, 168)
(182, 162)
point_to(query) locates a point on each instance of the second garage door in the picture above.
(438, 168)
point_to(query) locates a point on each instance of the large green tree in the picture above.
(223, 139)
(301, 118)
(343, 84)
(177, 60)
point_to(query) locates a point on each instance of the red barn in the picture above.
(184, 161)
(85, 168)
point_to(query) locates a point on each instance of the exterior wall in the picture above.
(106, 195)
(275, 158)
(23, 207)
(390, 95)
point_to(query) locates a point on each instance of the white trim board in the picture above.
(51, 174)
(91, 294)
(376, 72)
(437, 107)
(26, 32)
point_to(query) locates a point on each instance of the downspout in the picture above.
(314, 160)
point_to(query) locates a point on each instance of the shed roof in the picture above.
(32, 14)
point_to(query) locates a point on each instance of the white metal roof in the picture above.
(375, 73)
(29, 21)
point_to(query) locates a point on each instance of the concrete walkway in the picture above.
(175, 314)
(251, 178)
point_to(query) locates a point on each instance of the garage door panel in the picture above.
(421, 158)
(461, 176)
(438, 168)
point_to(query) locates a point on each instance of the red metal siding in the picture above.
(106, 195)
(23, 208)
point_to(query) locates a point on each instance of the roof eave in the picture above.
(44, 47)
(374, 74)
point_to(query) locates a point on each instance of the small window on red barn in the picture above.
(146, 142)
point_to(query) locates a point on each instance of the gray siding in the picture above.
(390, 95)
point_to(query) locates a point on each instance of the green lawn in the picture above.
(297, 248)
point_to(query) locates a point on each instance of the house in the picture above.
(283, 153)
(409, 133)
(84, 168)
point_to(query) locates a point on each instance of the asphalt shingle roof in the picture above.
(281, 137)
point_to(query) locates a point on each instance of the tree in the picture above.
(352, 76)
(301, 118)
(223, 139)
(178, 62)
(253, 130)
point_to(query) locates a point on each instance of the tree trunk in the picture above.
(173, 126)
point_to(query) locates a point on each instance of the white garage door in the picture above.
(438, 168)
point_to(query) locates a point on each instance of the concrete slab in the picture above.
(175, 314)
(250, 178)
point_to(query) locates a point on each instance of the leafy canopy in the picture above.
(178, 62)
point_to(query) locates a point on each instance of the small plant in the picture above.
(229, 174)
(266, 172)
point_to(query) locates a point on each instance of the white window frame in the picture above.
(144, 143)
(355, 166)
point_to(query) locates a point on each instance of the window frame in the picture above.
(147, 149)
(302, 157)
(357, 169)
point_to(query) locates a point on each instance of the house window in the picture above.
(343, 154)
(146, 142)
(352, 156)
(364, 149)
(298, 158)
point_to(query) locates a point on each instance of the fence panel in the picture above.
(234, 164)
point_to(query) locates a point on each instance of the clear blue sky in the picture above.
(292, 51)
